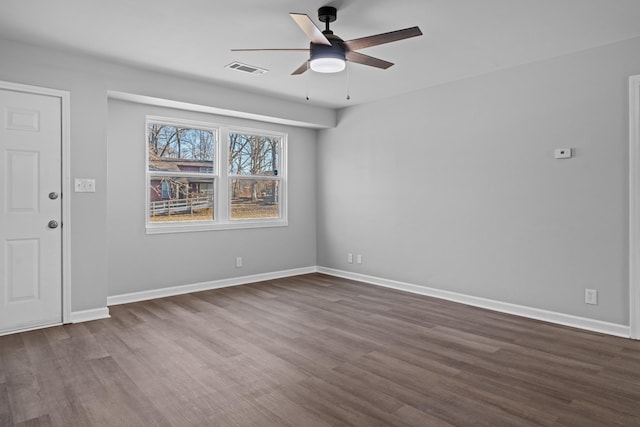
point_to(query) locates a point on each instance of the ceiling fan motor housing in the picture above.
(336, 50)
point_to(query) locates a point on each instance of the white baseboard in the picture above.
(88, 315)
(205, 286)
(504, 307)
(30, 328)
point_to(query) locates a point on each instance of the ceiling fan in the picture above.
(328, 53)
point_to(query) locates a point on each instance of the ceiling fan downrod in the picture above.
(327, 14)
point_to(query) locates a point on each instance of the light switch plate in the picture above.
(84, 185)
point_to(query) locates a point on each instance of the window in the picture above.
(253, 175)
(189, 190)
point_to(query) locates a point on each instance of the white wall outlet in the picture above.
(590, 296)
(238, 261)
(359, 259)
(563, 153)
(350, 258)
(84, 185)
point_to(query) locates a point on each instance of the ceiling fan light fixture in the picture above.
(327, 65)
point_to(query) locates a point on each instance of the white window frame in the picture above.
(222, 180)
(281, 177)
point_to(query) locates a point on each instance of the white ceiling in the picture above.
(462, 38)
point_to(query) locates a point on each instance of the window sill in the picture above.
(201, 226)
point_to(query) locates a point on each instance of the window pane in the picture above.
(253, 154)
(255, 198)
(180, 199)
(176, 149)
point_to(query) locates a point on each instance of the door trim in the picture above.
(65, 109)
(634, 206)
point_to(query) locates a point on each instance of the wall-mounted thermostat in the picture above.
(563, 153)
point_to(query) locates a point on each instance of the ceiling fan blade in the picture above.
(378, 39)
(270, 50)
(309, 28)
(301, 69)
(368, 60)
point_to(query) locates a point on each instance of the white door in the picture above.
(30, 210)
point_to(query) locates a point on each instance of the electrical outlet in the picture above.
(238, 262)
(359, 259)
(563, 153)
(590, 296)
(350, 258)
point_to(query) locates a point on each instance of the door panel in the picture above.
(30, 249)
(22, 181)
(23, 270)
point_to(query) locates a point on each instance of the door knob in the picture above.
(53, 224)
(53, 195)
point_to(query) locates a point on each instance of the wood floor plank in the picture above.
(414, 417)
(24, 396)
(292, 414)
(329, 407)
(176, 397)
(43, 421)
(122, 396)
(246, 413)
(316, 351)
(61, 401)
(6, 417)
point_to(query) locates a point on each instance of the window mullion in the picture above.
(223, 204)
(256, 177)
(183, 174)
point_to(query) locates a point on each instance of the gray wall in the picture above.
(453, 187)
(140, 262)
(88, 80)
(456, 188)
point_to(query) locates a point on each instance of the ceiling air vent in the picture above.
(246, 68)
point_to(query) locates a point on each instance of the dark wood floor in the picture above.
(316, 351)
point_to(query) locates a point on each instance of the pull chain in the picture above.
(308, 77)
(348, 81)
